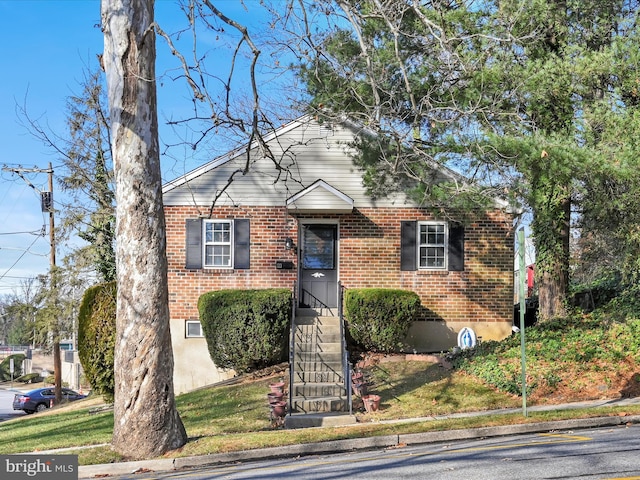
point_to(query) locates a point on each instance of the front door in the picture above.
(319, 269)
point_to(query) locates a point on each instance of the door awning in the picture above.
(320, 197)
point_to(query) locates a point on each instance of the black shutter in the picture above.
(194, 243)
(241, 241)
(408, 249)
(456, 248)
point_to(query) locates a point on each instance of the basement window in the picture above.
(193, 329)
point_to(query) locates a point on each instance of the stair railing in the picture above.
(292, 345)
(345, 353)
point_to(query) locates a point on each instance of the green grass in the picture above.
(573, 356)
(55, 430)
(236, 417)
(416, 389)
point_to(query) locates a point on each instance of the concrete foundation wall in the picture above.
(430, 337)
(193, 367)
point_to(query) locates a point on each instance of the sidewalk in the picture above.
(387, 441)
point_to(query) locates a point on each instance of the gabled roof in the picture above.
(238, 152)
(311, 170)
(320, 197)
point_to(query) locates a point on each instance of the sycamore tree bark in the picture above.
(146, 421)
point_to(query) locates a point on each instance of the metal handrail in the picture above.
(345, 352)
(292, 346)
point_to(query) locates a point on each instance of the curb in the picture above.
(338, 446)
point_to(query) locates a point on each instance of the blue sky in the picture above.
(45, 47)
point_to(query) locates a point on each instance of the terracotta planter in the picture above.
(279, 409)
(275, 397)
(371, 403)
(277, 387)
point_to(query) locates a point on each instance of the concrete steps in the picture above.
(322, 389)
(309, 374)
(318, 387)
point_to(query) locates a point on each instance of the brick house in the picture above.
(303, 220)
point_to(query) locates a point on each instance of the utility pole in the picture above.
(46, 205)
(52, 235)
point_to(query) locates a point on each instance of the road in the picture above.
(607, 453)
(6, 405)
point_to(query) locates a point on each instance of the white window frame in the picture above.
(187, 323)
(444, 245)
(206, 244)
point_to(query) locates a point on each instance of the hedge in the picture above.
(97, 337)
(378, 319)
(246, 330)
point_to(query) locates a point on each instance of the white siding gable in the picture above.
(320, 197)
(303, 152)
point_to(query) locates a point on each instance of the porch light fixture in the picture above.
(288, 243)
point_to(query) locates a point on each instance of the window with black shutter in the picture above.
(241, 243)
(408, 249)
(194, 243)
(217, 244)
(431, 245)
(456, 248)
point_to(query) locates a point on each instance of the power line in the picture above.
(46, 204)
(25, 250)
(34, 232)
(13, 277)
(19, 258)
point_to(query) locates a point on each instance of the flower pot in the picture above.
(277, 387)
(279, 409)
(275, 397)
(371, 403)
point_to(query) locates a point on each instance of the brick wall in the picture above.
(369, 256)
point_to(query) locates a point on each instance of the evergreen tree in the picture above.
(88, 177)
(510, 94)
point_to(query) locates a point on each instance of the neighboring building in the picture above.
(303, 220)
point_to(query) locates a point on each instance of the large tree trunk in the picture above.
(552, 266)
(146, 421)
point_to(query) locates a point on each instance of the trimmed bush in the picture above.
(378, 319)
(5, 367)
(246, 329)
(30, 378)
(97, 337)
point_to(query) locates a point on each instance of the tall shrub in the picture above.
(5, 367)
(246, 329)
(96, 337)
(379, 319)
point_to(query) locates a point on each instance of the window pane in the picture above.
(217, 252)
(194, 329)
(318, 247)
(218, 255)
(435, 235)
(221, 233)
(218, 232)
(432, 246)
(208, 236)
(435, 256)
(432, 257)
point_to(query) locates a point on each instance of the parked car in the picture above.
(42, 398)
